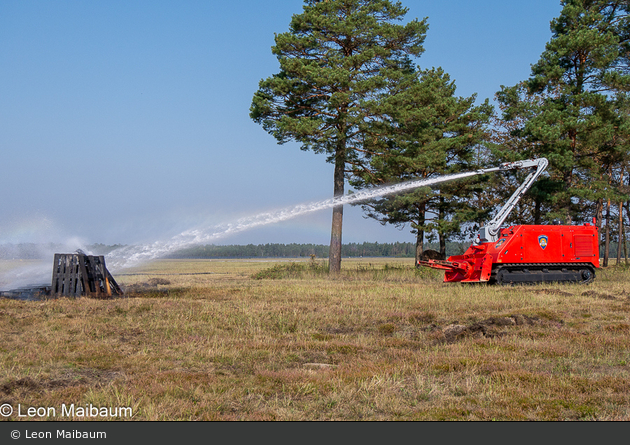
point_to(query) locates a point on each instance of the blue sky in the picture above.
(128, 121)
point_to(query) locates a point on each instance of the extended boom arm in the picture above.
(490, 232)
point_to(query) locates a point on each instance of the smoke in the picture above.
(32, 261)
(33, 273)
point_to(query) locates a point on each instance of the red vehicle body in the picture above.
(524, 253)
(527, 254)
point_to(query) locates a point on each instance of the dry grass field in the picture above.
(280, 340)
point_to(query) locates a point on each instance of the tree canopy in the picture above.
(573, 110)
(434, 133)
(570, 107)
(338, 62)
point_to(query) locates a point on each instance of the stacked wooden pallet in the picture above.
(78, 274)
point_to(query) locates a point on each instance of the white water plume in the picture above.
(34, 269)
(33, 273)
(133, 255)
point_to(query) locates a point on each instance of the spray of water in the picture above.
(36, 271)
(130, 256)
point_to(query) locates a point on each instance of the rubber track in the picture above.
(543, 265)
(540, 266)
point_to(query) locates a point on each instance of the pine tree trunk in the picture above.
(620, 232)
(334, 256)
(568, 179)
(599, 216)
(442, 236)
(537, 212)
(419, 245)
(599, 212)
(420, 235)
(625, 248)
(607, 240)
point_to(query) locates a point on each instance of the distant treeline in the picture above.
(34, 251)
(401, 250)
(31, 251)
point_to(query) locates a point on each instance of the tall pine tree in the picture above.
(339, 60)
(569, 109)
(432, 132)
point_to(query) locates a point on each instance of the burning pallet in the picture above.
(78, 274)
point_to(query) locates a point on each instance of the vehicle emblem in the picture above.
(542, 240)
(501, 241)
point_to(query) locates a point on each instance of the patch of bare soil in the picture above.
(588, 293)
(149, 286)
(489, 328)
(340, 330)
(13, 390)
(27, 385)
(156, 281)
(545, 291)
(599, 295)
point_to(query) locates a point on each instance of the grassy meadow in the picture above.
(281, 340)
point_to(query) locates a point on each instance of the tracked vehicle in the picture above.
(524, 254)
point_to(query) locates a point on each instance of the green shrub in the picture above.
(292, 270)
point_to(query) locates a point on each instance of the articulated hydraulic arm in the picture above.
(490, 232)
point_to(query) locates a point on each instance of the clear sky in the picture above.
(128, 121)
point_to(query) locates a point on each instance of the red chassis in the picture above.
(527, 254)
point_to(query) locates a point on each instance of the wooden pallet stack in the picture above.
(78, 274)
